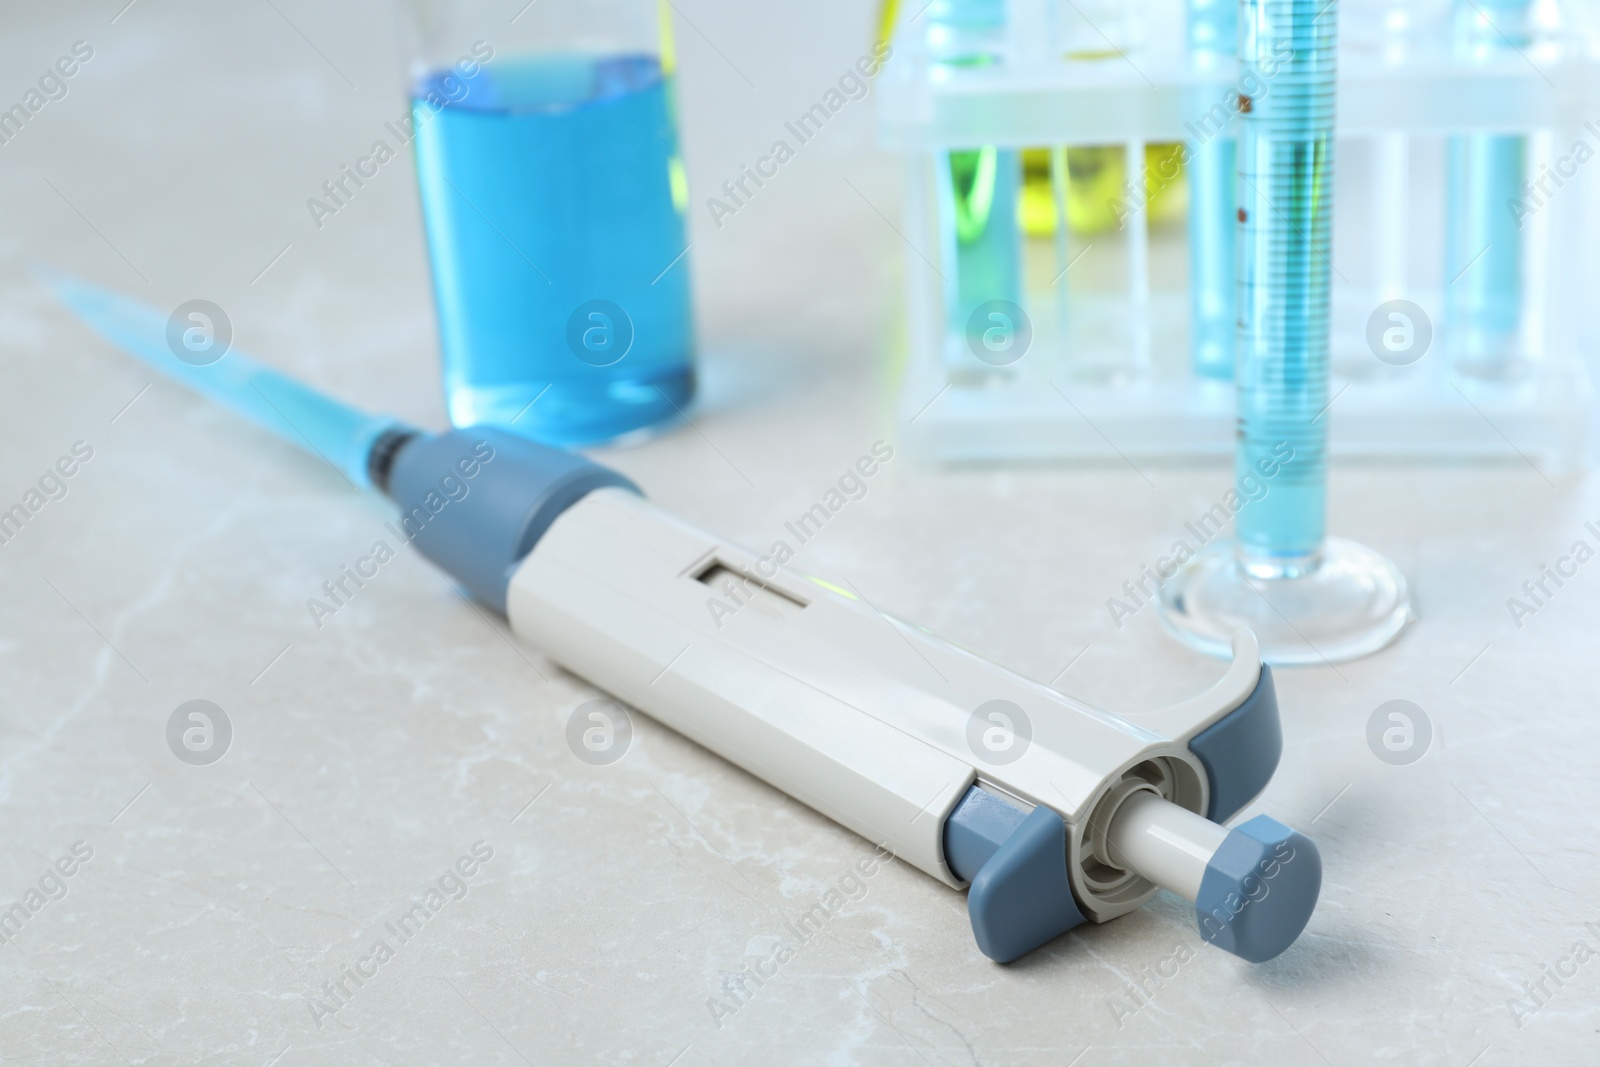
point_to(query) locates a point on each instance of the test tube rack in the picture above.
(1107, 373)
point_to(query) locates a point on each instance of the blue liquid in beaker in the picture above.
(557, 241)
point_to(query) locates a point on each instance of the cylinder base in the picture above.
(1351, 604)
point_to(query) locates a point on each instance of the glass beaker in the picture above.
(554, 197)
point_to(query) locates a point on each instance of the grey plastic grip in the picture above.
(977, 828)
(1020, 896)
(476, 500)
(1241, 750)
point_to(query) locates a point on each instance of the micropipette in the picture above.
(1048, 811)
(1309, 598)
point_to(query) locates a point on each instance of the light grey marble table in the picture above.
(209, 909)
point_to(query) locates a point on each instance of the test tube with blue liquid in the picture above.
(1309, 598)
(978, 195)
(1213, 321)
(1485, 172)
(553, 197)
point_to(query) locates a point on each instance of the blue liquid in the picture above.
(1483, 247)
(964, 33)
(546, 187)
(1285, 244)
(1212, 165)
(1483, 305)
(1213, 322)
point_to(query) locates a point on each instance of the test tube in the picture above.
(1213, 323)
(980, 187)
(1483, 248)
(984, 184)
(1309, 598)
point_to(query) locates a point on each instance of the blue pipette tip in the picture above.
(188, 347)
